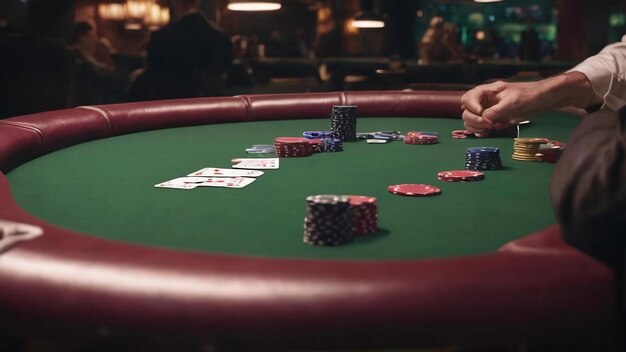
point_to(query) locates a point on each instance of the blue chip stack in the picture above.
(483, 158)
(331, 145)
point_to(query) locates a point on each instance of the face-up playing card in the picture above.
(193, 182)
(228, 182)
(215, 172)
(182, 183)
(256, 163)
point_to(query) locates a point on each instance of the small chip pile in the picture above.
(527, 149)
(552, 151)
(416, 137)
(460, 176)
(462, 134)
(327, 221)
(364, 215)
(343, 122)
(382, 135)
(332, 145)
(261, 149)
(292, 147)
(483, 158)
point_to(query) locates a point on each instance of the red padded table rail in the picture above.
(536, 287)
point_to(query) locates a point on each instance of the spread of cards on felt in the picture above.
(241, 175)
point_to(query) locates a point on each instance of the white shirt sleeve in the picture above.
(607, 73)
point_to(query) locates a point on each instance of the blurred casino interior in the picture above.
(297, 45)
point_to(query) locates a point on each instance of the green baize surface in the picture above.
(105, 188)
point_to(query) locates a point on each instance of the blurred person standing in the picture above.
(187, 58)
(529, 43)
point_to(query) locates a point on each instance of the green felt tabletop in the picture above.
(106, 188)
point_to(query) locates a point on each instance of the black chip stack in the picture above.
(343, 122)
(483, 158)
(327, 222)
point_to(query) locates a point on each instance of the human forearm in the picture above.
(568, 89)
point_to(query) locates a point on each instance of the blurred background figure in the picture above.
(439, 43)
(327, 34)
(187, 58)
(529, 43)
(96, 80)
(36, 66)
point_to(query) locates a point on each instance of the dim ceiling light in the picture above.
(368, 24)
(368, 20)
(249, 5)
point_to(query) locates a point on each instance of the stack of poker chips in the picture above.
(363, 215)
(291, 147)
(327, 222)
(331, 145)
(316, 145)
(483, 158)
(343, 122)
(527, 149)
(416, 137)
(460, 176)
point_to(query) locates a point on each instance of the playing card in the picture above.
(256, 163)
(175, 185)
(228, 182)
(215, 172)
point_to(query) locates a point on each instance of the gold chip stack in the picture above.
(527, 149)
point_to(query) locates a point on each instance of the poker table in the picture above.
(482, 263)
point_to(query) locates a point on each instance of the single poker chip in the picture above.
(414, 190)
(460, 175)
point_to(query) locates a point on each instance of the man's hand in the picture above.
(497, 105)
(500, 104)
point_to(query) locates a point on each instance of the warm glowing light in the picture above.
(157, 16)
(111, 11)
(132, 26)
(480, 35)
(368, 24)
(254, 6)
(138, 8)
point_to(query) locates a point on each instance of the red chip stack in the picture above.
(364, 215)
(292, 147)
(415, 137)
(316, 145)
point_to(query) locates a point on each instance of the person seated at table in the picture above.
(186, 58)
(588, 188)
(96, 79)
